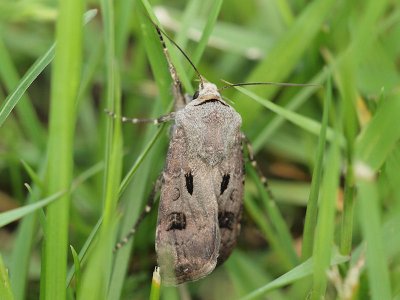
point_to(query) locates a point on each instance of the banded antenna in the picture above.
(161, 33)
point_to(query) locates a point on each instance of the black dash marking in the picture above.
(177, 221)
(226, 219)
(195, 95)
(224, 183)
(189, 182)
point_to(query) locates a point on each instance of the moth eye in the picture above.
(224, 183)
(195, 95)
(177, 221)
(189, 182)
(226, 219)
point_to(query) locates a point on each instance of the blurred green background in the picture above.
(337, 197)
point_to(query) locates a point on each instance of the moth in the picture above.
(202, 188)
(202, 182)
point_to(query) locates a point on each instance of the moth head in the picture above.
(207, 91)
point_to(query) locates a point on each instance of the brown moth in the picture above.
(202, 189)
(201, 185)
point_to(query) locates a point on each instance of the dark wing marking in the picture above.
(224, 183)
(189, 182)
(187, 235)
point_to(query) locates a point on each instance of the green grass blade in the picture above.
(31, 75)
(64, 90)
(380, 136)
(377, 269)
(24, 83)
(32, 174)
(77, 267)
(191, 12)
(280, 230)
(246, 275)
(156, 61)
(347, 87)
(324, 232)
(206, 32)
(312, 204)
(285, 54)
(5, 288)
(278, 119)
(94, 284)
(303, 270)
(306, 92)
(128, 177)
(21, 255)
(155, 285)
(124, 13)
(303, 122)
(16, 214)
(26, 112)
(85, 249)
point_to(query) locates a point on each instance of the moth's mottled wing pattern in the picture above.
(187, 235)
(202, 182)
(197, 194)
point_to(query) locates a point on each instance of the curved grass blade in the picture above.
(32, 73)
(303, 270)
(77, 268)
(307, 124)
(15, 214)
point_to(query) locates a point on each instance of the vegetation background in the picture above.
(73, 181)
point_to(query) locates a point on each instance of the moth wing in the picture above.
(229, 186)
(187, 235)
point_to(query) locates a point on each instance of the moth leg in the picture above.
(159, 120)
(254, 164)
(144, 213)
(176, 83)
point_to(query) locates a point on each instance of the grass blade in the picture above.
(312, 204)
(378, 275)
(325, 227)
(380, 136)
(303, 122)
(5, 288)
(303, 270)
(77, 266)
(95, 283)
(18, 213)
(31, 75)
(285, 54)
(280, 231)
(64, 89)
(155, 285)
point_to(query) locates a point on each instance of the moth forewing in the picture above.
(200, 204)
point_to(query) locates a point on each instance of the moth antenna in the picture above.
(161, 33)
(230, 85)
